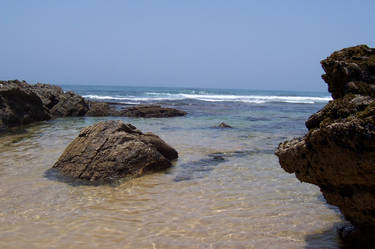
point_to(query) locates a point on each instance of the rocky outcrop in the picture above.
(112, 149)
(151, 111)
(21, 103)
(338, 152)
(60, 103)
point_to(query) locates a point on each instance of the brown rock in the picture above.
(100, 109)
(112, 149)
(151, 111)
(60, 103)
(338, 152)
(19, 105)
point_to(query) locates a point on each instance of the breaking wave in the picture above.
(203, 96)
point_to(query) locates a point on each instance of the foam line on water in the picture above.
(216, 98)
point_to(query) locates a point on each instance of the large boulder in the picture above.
(338, 152)
(111, 150)
(20, 105)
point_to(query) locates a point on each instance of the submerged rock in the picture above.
(151, 111)
(112, 149)
(338, 152)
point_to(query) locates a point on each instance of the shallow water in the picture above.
(243, 201)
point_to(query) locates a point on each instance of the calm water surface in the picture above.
(244, 201)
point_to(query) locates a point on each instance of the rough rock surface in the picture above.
(21, 103)
(100, 109)
(338, 152)
(151, 111)
(60, 103)
(111, 150)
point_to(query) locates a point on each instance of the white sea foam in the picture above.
(257, 99)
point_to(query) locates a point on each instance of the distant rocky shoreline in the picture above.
(22, 103)
(338, 152)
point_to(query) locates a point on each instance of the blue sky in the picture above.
(270, 45)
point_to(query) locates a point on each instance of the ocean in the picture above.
(243, 201)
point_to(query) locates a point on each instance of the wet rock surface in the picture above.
(338, 152)
(151, 111)
(21, 103)
(112, 149)
(60, 103)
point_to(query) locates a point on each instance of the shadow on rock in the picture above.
(330, 238)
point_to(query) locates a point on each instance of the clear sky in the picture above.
(183, 43)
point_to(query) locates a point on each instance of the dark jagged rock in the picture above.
(224, 125)
(338, 152)
(350, 70)
(111, 150)
(151, 111)
(60, 103)
(21, 103)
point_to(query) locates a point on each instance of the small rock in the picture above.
(224, 125)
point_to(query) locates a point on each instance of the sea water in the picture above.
(243, 201)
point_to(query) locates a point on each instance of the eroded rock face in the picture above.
(21, 103)
(338, 152)
(111, 150)
(101, 109)
(60, 103)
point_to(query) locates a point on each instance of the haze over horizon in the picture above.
(243, 44)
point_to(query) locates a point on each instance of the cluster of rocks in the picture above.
(21, 104)
(338, 152)
(104, 151)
